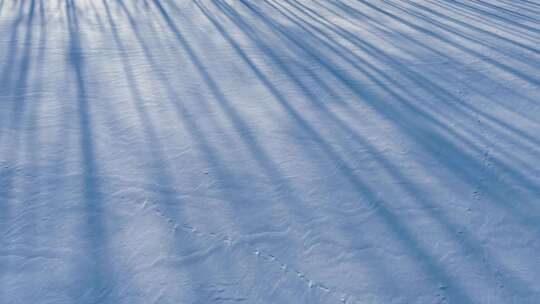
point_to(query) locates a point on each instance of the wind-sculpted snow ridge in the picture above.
(273, 151)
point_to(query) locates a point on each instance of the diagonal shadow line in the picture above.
(11, 56)
(496, 8)
(390, 219)
(423, 13)
(450, 43)
(260, 76)
(433, 89)
(533, 186)
(252, 143)
(216, 162)
(396, 117)
(18, 105)
(437, 90)
(505, 15)
(94, 227)
(16, 125)
(160, 171)
(447, 95)
(527, 5)
(390, 170)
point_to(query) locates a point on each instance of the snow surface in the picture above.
(269, 151)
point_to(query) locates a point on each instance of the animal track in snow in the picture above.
(258, 253)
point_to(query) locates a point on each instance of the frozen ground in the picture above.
(269, 151)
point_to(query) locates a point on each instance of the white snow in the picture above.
(269, 151)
